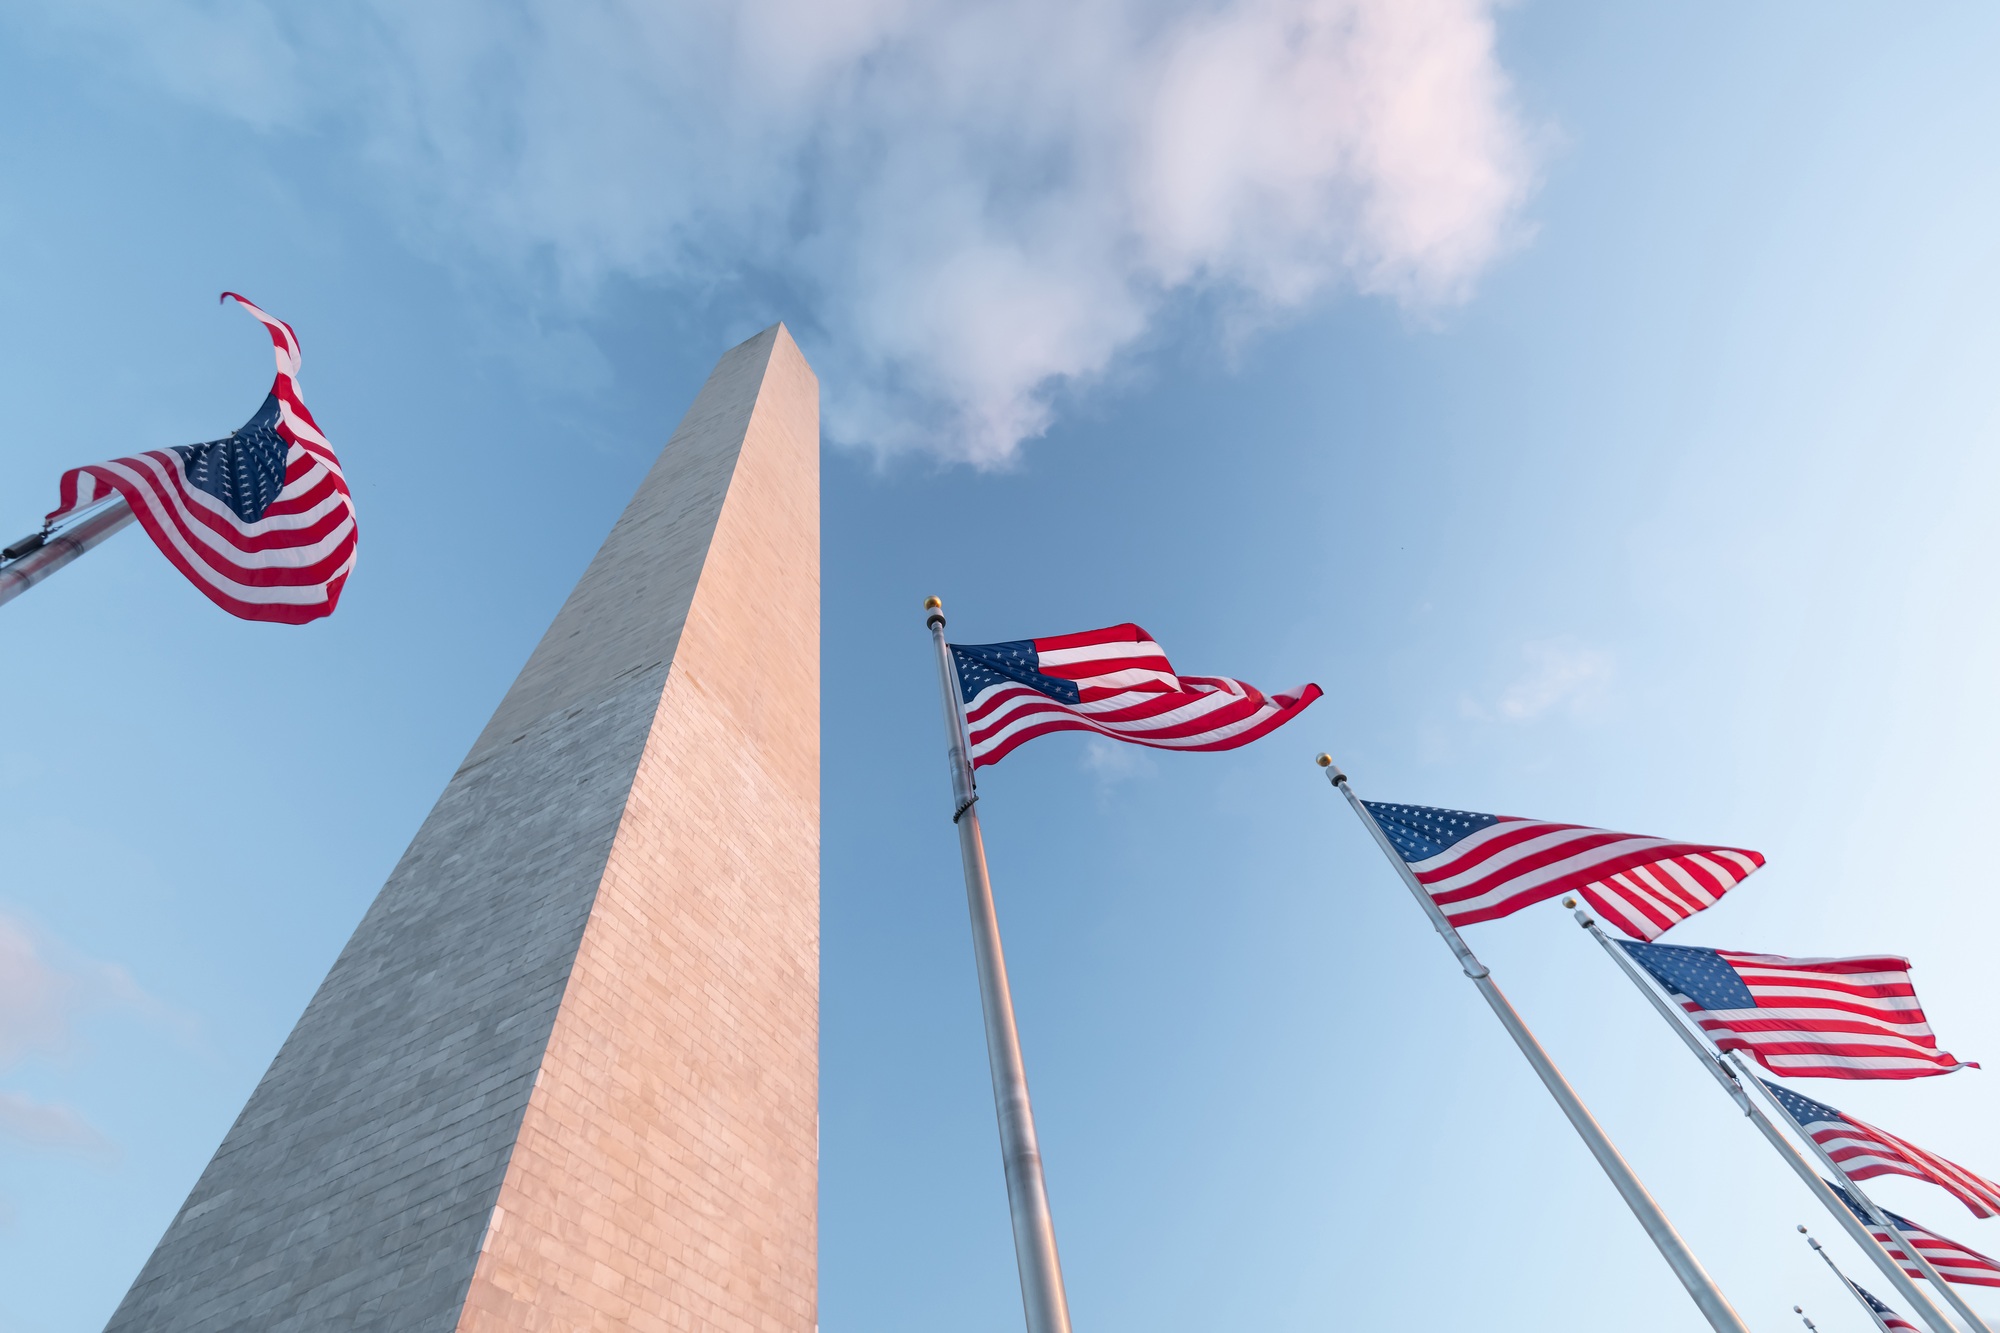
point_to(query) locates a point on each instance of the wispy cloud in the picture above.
(48, 1125)
(40, 1002)
(976, 201)
(1561, 676)
(1113, 762)
(36, 1000)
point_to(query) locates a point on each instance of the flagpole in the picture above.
(1800, 1312)
(1820, 1250)
(1882, 1219)
(1712, 1060)
(1042, 1293)
(35, 557)
(1707, 1296)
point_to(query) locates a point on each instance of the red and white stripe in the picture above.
(1643, 886)
(1954, 1262)
(288, 566)
(1864, 1152)
(1130, 692)
(1885, 1319)
(1829, 1018)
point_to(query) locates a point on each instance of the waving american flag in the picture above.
(1956, 1263)
(1884, 1317)
(1865, 1152)
(1804, 1017)
(1480, 867)
(1115, 682)
(260, 520)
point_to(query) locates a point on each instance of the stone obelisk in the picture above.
(565, 1074)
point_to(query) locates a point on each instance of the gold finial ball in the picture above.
(1323, 760)
(1802, 1228)
(1569, 902)
(932, 603)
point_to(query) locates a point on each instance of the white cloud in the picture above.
(47, 1125)
(1560, 674)
(35, 999)
(977, 202)
(1113, 762)
(39, 1003)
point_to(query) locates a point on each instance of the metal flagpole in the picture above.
(39, 555)
(1707, 1297)
(1712, 1060)
(1877, 1212)
(1800, 1311)
(1027, 1196)
(1820, 1250)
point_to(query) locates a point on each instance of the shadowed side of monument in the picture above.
(564, 1075)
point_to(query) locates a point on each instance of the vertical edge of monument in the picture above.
(354, 1189)
(666, 1173)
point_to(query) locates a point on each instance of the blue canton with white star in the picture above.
(246, 470)
(1869, 1297)
(1802, 1109)
(984, 665)
(1699, 974)
(1420, 832)
(1902, 1224)
(1848, 1199)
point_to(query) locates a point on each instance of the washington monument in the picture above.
(565, 1074)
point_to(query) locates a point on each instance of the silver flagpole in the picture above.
(1875, 1210)
(1027, 1196)
(1799, 1310)
(1711, 1059)
(1874, 1316)
(1707, 1296)
(35, 557)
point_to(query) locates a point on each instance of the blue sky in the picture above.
(1603, 414)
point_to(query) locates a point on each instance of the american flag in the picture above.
(1804, 1017)
(261, 520)
(1479, 867)
(1865, 1152)
(1955, 1263)
(1115, 682)
(1884, 1316)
